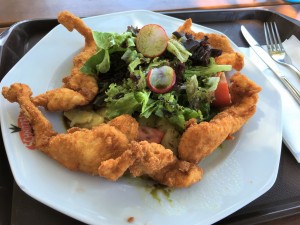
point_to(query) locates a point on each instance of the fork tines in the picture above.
(272, 37)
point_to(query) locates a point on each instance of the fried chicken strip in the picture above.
(228, 57)
(155, 161)
(199, 140)
(78, 89)
(79, 148)
(106, 149)
(127, 125)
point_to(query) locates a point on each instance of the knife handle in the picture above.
(291, 88)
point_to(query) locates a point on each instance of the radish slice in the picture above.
(161, 80)
(152, 40)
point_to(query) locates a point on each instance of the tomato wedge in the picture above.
(222, 95)
(150, 134)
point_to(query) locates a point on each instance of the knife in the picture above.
(270, 63)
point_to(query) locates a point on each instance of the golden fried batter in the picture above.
(104, 150)
(127, 125)
(199, 140)
(228, 57)
(78, 149)
(155, 161)
(78, 89)
(163, 166)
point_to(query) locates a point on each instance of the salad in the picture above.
(153, 77)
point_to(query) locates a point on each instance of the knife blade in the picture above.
(266, 58)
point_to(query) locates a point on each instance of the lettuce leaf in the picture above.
(107, 40)
(199, 98)
(209, 70)
(201, 50)
(90, 65)
(120, 100)
(125, 105)
(177, 49)
(104, 65)
(179, 119)
(166, 106)
(107, 44)
(147, 104)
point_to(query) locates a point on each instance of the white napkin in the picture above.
(291, 109)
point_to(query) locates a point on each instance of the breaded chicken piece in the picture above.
(104, 150)
(78, 89)
(155, 161)
(127, 125)
(163, 166)
(228, 57)
(199, 140)
(78, 149)
(113, 169)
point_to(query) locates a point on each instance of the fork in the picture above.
(275, 47)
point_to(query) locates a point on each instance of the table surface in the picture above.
(12, 11)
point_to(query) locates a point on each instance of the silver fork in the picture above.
(275, 47)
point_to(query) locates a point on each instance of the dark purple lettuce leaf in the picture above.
(201, 50)
(133, 30)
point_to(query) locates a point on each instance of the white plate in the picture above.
(236, 174)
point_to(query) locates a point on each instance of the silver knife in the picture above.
(270, 63)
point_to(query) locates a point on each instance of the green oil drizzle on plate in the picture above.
(157, 191)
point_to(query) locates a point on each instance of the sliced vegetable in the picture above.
(222, 95)
(161, 79)
(150, 134)
(152, 40)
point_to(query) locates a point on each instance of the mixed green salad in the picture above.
(145, 73)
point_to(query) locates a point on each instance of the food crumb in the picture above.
(130, 219)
